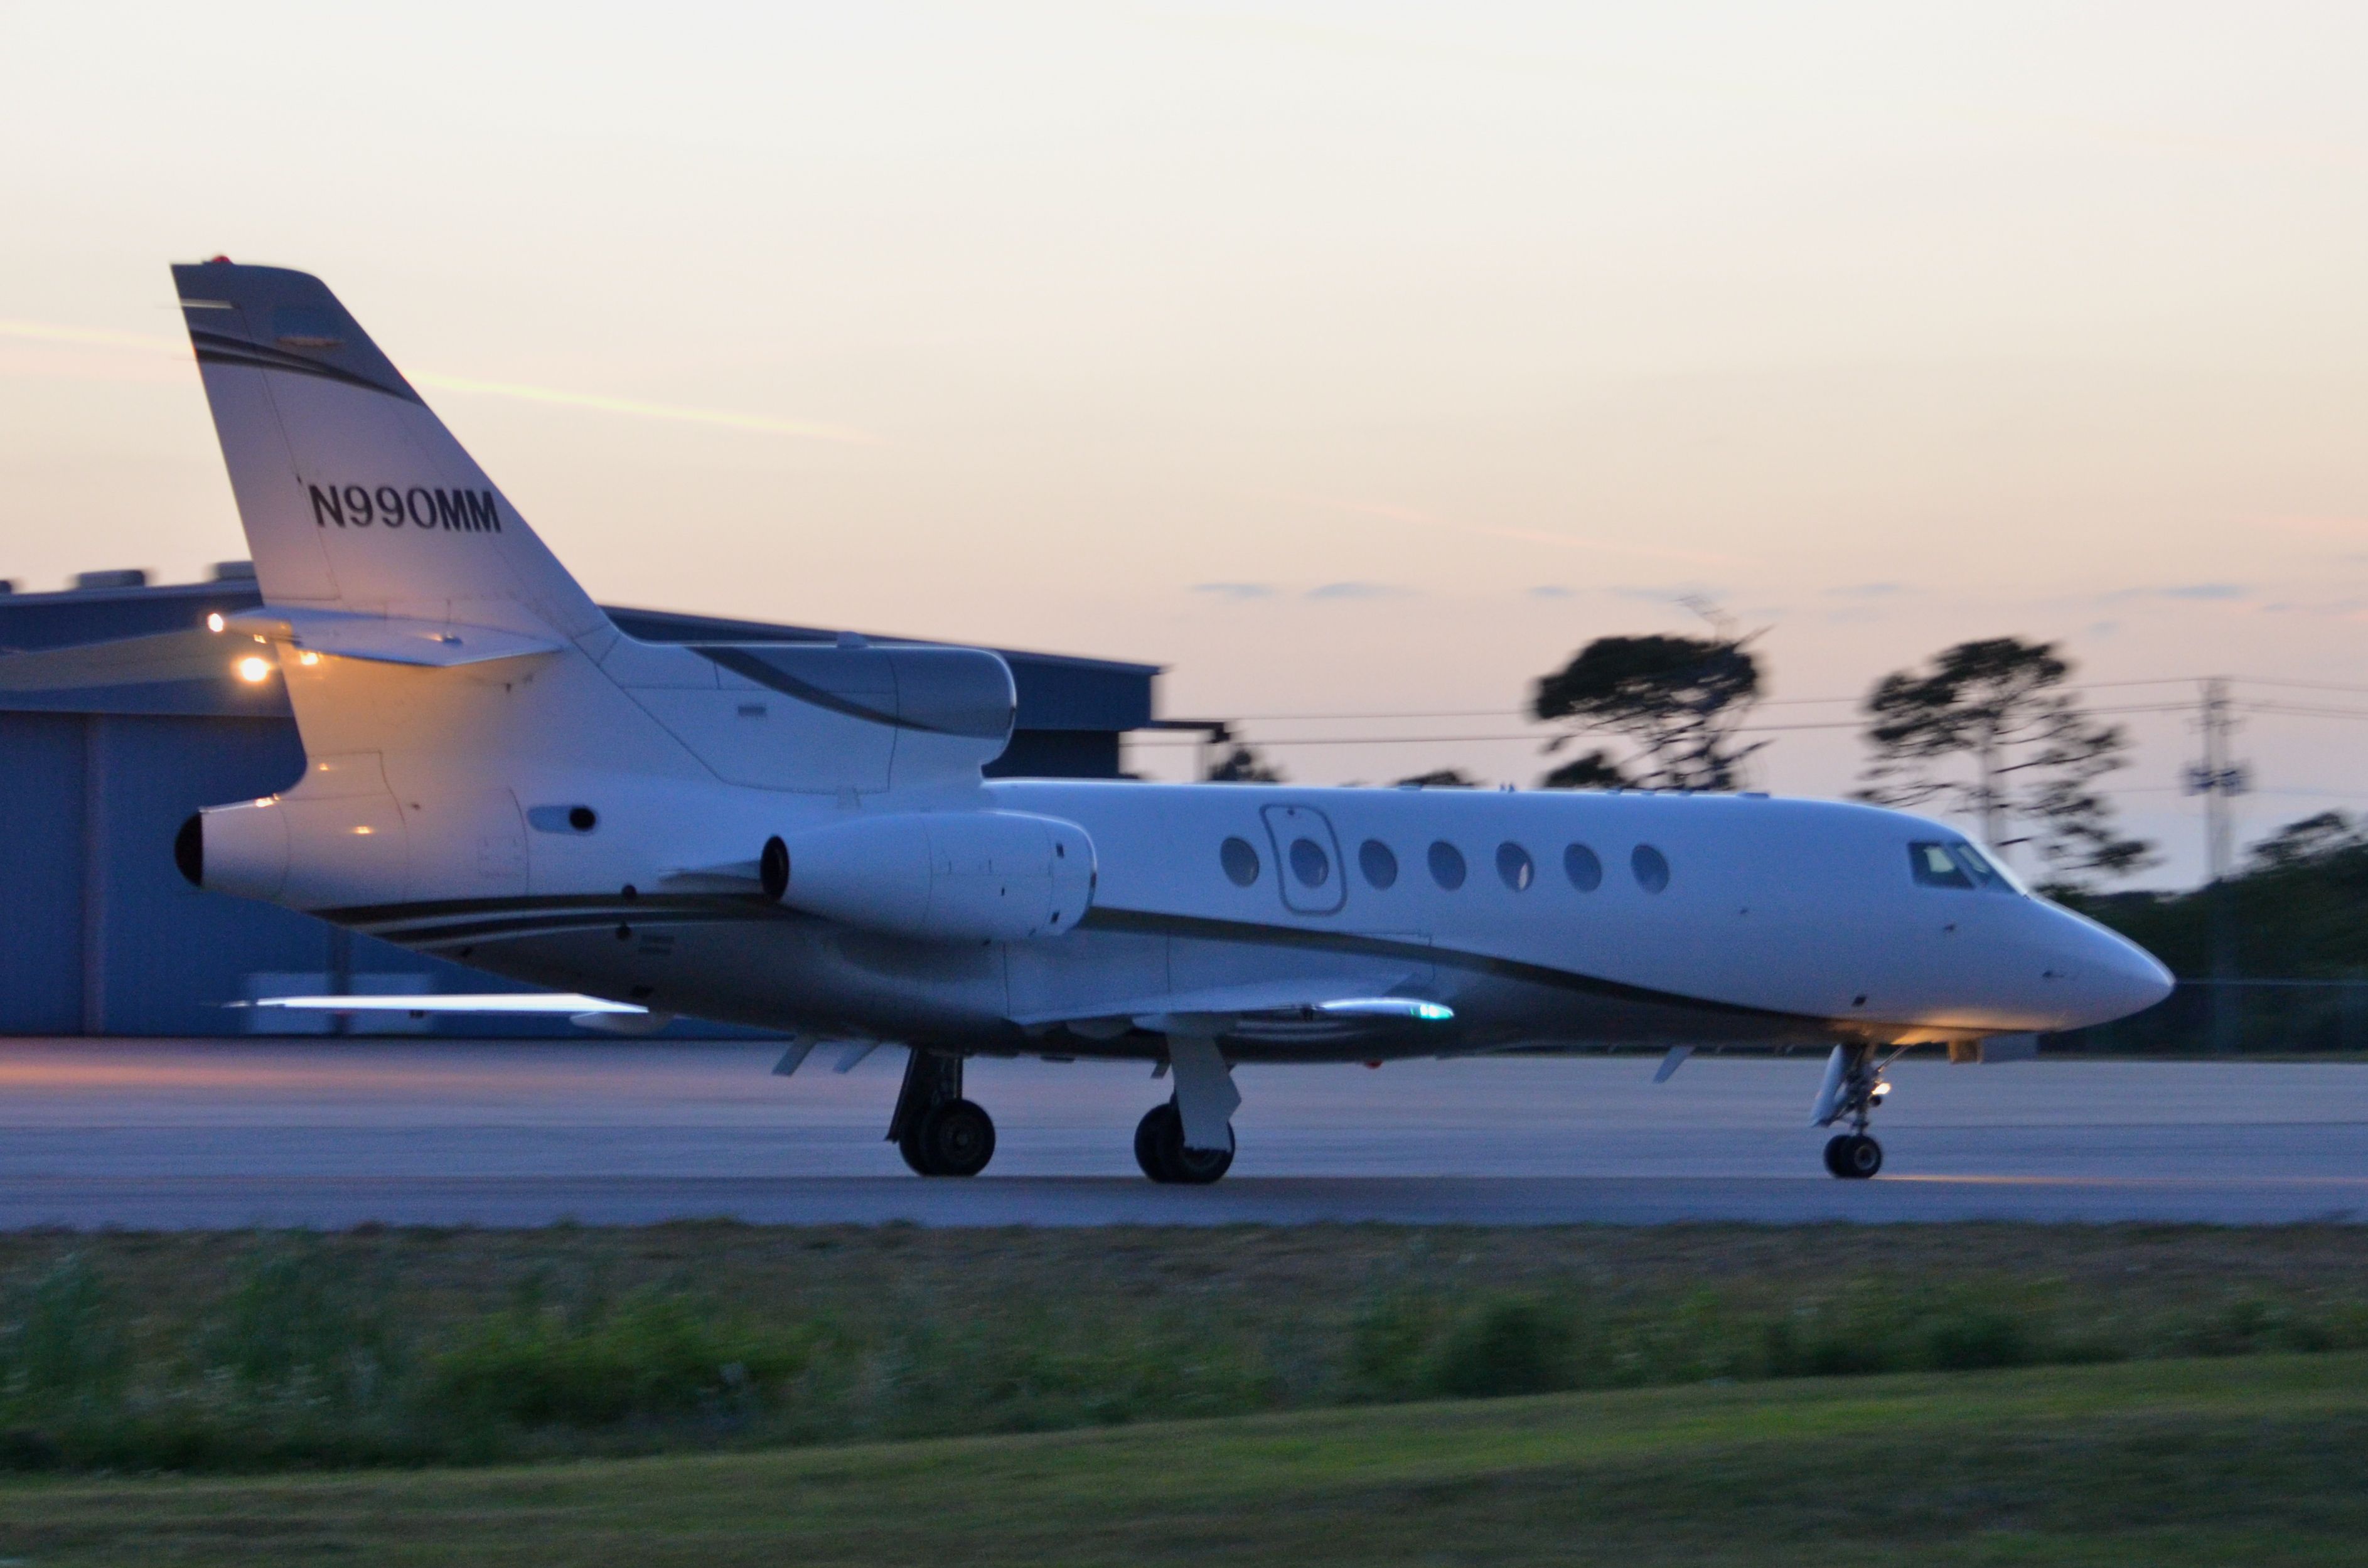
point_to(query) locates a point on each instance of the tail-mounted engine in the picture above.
(953, 876)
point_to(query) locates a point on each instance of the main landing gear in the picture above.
(939, 1132)
(1189, 1142)
(1160, 1150)
(1852, 1089)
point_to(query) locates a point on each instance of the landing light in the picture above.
(214, 623)
(306, 657)
(254, 669)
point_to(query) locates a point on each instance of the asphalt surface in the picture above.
(164, 1135)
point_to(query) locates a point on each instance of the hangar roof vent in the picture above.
(125, 578)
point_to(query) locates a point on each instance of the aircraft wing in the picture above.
(594, 1013)
(1227, 1009)
(569, 1004)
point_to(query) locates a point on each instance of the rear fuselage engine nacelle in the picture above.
(953, 876)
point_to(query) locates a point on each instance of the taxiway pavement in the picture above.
(167, 1134)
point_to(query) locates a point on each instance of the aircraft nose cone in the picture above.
(2114, 977)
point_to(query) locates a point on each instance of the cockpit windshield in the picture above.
(1957, 864)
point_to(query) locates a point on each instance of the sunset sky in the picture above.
(1348, 359)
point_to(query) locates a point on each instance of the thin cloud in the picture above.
(804, 429)
(1551, 591)
(1677, 594)
(2203, 593)
(1866, 591)
(2338, 609)
(1235, 590)
(1358, 591)
(2314, 524)
(91, 337)
(1412, 518)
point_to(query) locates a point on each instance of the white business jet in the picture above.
(798, 837)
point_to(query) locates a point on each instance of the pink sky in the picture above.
(1346, 358)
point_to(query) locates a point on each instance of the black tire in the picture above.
(909, 1145)
(1159, 1150)
(1834, 1154)
(1148, 1136)
(956, 1138)
(1199, 1167)
(1854, 1156)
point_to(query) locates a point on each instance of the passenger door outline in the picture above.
(1283, 825)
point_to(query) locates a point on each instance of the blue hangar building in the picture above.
(120, 714)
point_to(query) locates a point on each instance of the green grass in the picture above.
(275, 1351)
(2259, 1461)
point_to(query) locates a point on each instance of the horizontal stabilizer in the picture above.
(346, 634)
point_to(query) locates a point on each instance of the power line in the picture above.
(1545, 730)
(2299, 712)
(2305, 685)
(1544, 733)
(1764, 702)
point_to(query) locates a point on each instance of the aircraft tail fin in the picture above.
(353, 495)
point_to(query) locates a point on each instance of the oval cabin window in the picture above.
(1309, 863)
(1446, 865)
(1583, 868)
(1514, 865)
(1240, 861)
(1378, 864)
(1652, 868)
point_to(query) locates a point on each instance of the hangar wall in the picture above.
(118, 717)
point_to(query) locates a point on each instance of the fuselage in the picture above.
(1540, 919)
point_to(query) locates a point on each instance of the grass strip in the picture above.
(232, 1352)
(2257, 1461)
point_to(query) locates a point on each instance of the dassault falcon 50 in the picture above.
(798, 836)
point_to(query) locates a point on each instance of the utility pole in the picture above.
(2219, 779)
(1993, 809)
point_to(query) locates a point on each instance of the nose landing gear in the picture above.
(1854, 1156)
(1852, 1089)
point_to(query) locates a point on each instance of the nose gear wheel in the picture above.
(1854, 1155)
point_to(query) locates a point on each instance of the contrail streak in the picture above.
(804, 429)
